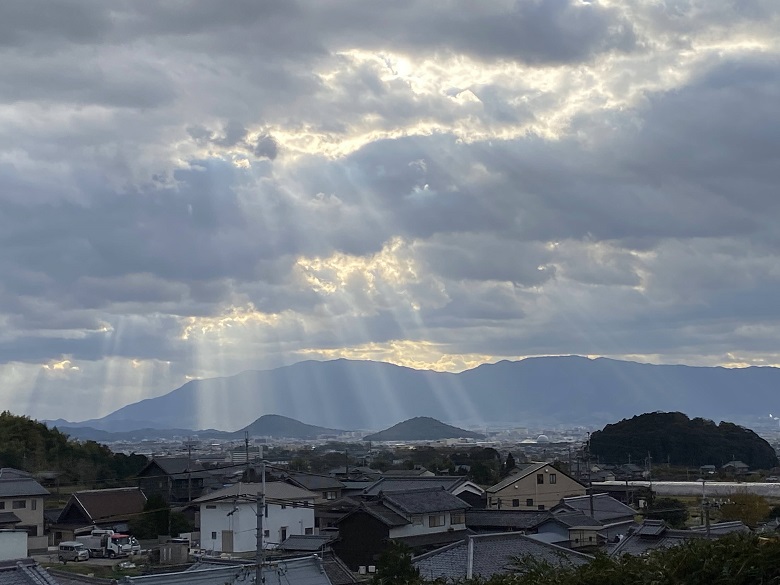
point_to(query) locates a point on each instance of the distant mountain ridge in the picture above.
(422, 428)
(268, 425)
(374, 395)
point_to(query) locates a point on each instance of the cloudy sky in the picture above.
(194, 188)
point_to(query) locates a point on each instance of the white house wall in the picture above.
(424, 528)
(243, 524)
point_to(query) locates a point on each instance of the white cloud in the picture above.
(187, 190)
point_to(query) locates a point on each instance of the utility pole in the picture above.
(189, 468)
(246, 452)
(590, 475)
(260, 554)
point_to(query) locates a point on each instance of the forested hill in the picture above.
(422, 428)
(673, 437)
(31, 446)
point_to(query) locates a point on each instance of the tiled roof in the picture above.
(19, 483)
(396, 484)
(383, 514)
(9, 518)
(651, 535)
(109, 504)
(434, 538)
(424, 501)
(24, 572)
(337, 571)
(179, 467)
(274, 490)
(517, 519)
(571, 519)
(492, 554)
(306, 542)
(606, 509)
(307, 570)
(316, 482)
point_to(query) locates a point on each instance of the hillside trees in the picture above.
(673, 437)
(31, 446)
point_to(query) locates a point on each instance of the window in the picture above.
(211, 506)
(19, 504)
(330, 495)
(284, 506)
(540, 478)
(266, 533)
(529, 502)
(516, 503)
(553, 478)
(2, 505)
(540, 507)
(457, 518)
(435, 520)
(213, 536)
(417, 520)
(295, 504)
(309, 530)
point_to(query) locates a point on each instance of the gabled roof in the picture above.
(274, 490)
(423, 501)
(24, 572)
(483, 519)
(107, 505)
(493, 554)
(381, 512)
(525, 471)
(14, 482)
(306, 542)
(405, 472)
(315, 482)
(606, 509)
(397, 484)
(176, 467)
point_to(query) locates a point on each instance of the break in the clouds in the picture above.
(193, 189)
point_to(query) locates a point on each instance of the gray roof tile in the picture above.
(493, 554)
(424, 501)
(24, 572)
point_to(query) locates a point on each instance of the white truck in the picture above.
(106, 543)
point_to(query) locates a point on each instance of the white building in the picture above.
(228, 518)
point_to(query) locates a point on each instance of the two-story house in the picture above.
(228, 517)
(421, 519)
(21, 505)
(329, 506)
(459, 486)
(536, 486)
(177, 480)
(614, 516)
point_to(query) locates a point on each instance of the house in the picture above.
(86, 510)
(486, 555)
(228, 517)
(177, 480)
(466, 490)
(537, 486)
(357, 473)
(328, 489)
(21, 506)
(572, 530)
(308, 570)
(614, 516)
(421, 519)
(735, 467)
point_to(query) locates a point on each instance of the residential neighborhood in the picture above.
(204, 519)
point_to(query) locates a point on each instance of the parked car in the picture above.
(70, 550)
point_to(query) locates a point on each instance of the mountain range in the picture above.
(373, 395)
